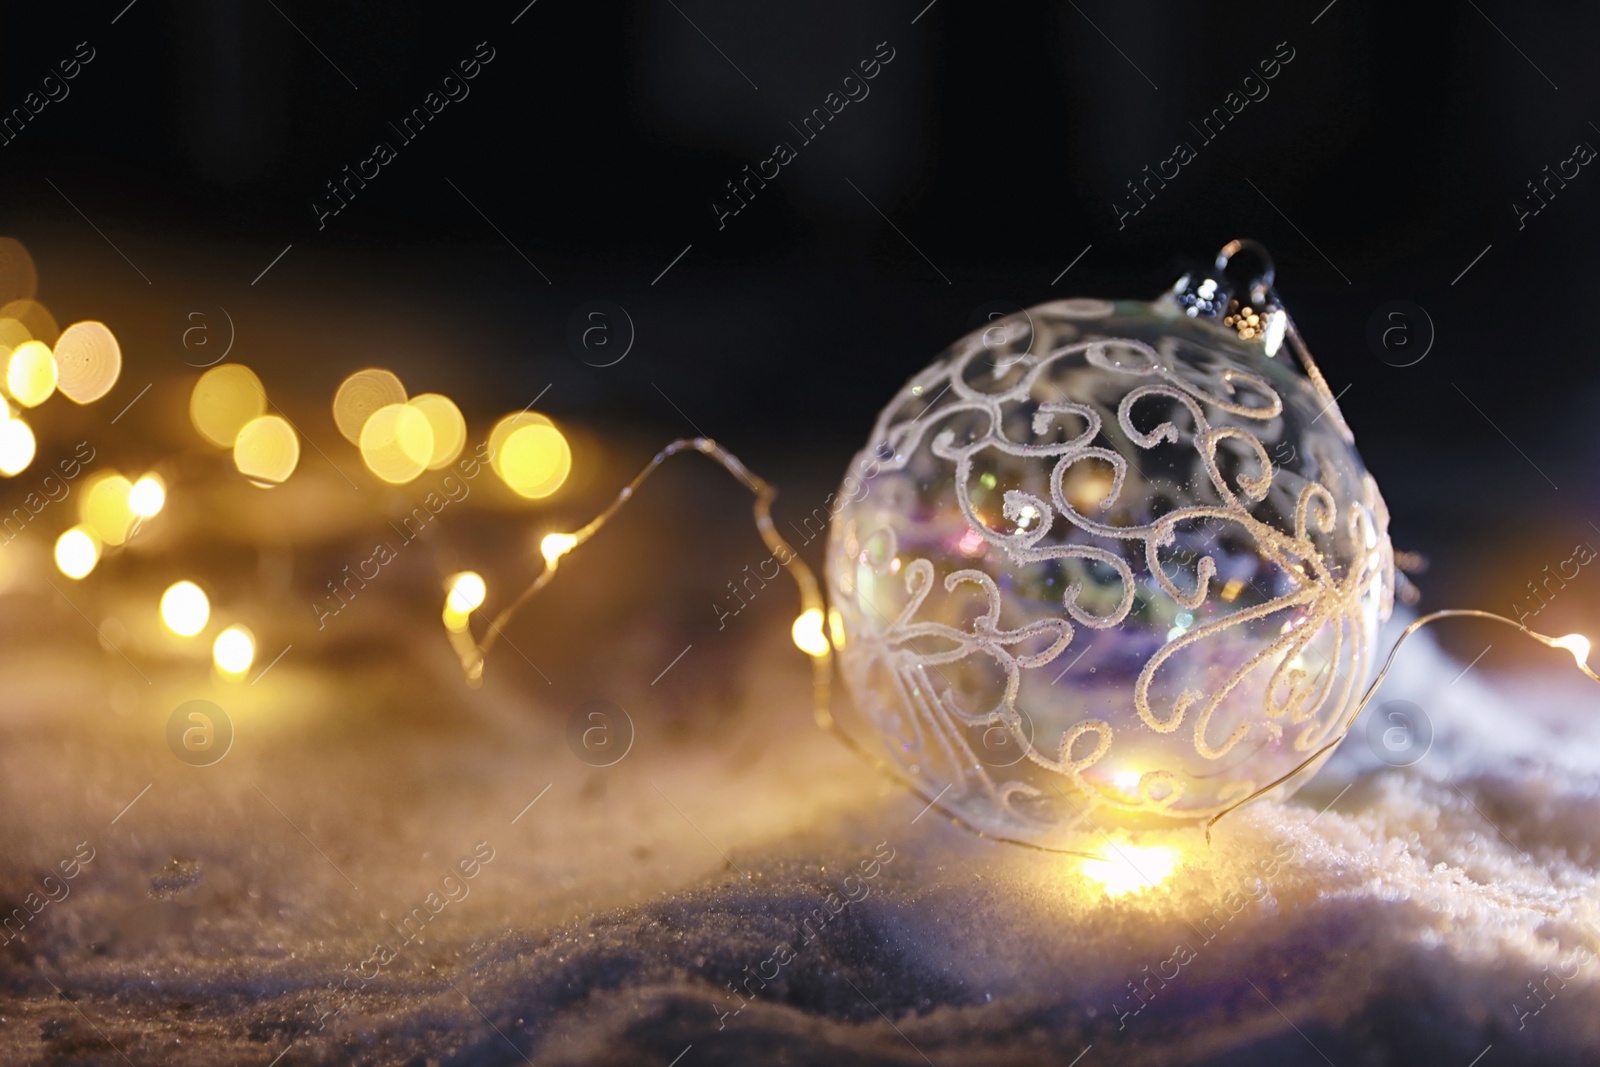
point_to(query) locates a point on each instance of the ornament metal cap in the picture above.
(1238, 293)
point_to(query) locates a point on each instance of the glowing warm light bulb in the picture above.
(449, 428)
(106, 508)
(148, 496)
(467, 591)
(504, 428)
(535, 461)
(807, 633)
(397, 443)
(224, 400)
(16, 446)
(529, 454)
(31, 373)
(12, 334)
(1127, 781)
(464, 594)
(233, 651)
(185, 609)
(34, 317)
(556, 545)
(19, 278)
(267, 450)
(1577, 644)
(1132, 868)
(88, 361)
(362, 395)
(836, 627)
(77, 551)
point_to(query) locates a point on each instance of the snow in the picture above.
(707, 899)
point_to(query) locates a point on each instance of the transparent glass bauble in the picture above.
(1105, 564)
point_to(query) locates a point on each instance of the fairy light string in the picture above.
(808, 631)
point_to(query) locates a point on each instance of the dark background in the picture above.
(997, 140)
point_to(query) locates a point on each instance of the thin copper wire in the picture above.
(1377, 682)
(473, 655)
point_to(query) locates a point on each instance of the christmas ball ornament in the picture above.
(1110, 563)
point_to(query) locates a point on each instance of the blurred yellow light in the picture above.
(233, 651)
(185, 609)
(534, 461)
(1577, 644)
(455, 621)
(31, 373)
(148, 496)
(19, 279)
(836, 627)
(88, 361)
(224, 399)
(34, 317)
(1127, 781)
(449, 428)
(16, 446)
(361, 396)
(807, 633)
(267, 450)
(556, 545)
(505, 428)
(77, 551)
(397, 443)
(105, 508)
(467, 591)
(1132, 868)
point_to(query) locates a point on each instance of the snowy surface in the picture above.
(1382, 916)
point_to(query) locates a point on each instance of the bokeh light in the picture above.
(77, 551)
(533, 458)
(12, 334)
(807, 633)
(267, 450)
(1131, 868)
(397, 443)
(185, 609)
(224, 400)
(233, 651)
(556, 545)
(1577, 644)
(35, 318)
(148, 496)
(466, 592)
(88, 361)
(19, 279)
(16, 446)
(506, 427)
(449, 428)
(361, 396)
(31, 373)
(105, 508)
